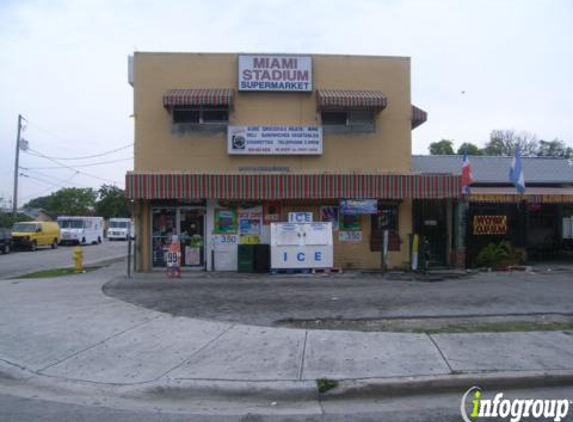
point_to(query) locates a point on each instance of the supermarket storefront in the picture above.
(227, 144)
(212, 214)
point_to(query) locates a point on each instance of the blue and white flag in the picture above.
(516, 172)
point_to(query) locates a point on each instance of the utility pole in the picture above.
(16, 169)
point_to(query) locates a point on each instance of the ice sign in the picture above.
(300, 217)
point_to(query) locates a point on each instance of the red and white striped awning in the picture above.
(419, 116)
(289, 186)
(198, 97)
(330, 99)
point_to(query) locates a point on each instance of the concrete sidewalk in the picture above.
(67, 329)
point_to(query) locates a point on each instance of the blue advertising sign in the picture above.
(358, 206)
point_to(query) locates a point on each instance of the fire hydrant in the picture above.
(78, 257)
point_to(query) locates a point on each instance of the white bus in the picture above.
(76, 230)
(120, 229)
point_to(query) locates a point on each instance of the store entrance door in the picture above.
(192, 237)
(430, 222)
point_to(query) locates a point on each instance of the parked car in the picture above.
(31, 234)
(5, 240)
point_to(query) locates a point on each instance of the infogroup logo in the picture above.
(514, 409)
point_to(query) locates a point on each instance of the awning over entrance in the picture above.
(532, 194)
(330, 99)
(419, 117)
(288, 186)
(198, 97)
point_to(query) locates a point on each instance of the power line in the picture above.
(39, 154)
(85, 157)
(100, 163)
(53, 179)
(57, 185)
(74, 141)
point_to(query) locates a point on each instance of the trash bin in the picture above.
(246, 258)
(262, 258)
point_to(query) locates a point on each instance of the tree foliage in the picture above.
(108, 201)
(555, 148)
(505, 142)
(40, 202)
(112, 202)
(443, 147)
(7, 220)
(67, 201)
(471, 149)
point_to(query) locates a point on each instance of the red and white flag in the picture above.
(467, 177)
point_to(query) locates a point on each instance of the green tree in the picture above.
(555, 148)
(40, 202)
(472, 149)
(71, 201)
(443, 147)
(7, 219)
(112, 202)
(505, 142)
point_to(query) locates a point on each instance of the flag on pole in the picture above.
(467, 177)
(516, 172)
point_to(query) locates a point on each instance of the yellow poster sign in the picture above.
(488, 225)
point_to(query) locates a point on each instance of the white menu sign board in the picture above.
(272, 72)
(274, 140)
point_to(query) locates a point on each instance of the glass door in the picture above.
(191, 229)
(163, 227)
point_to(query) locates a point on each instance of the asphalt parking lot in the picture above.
(269, 300)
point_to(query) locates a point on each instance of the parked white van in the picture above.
(120, 229)
(76, 230)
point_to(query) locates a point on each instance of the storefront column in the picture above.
(142, 236)
(449, 229)
(458, 255)
(209, 228)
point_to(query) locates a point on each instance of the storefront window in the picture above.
(385, 219)
(192, 241)
(164, 226)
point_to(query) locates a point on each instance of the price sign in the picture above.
(225, 238)
(350, 236)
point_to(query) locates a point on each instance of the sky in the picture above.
(477, 66)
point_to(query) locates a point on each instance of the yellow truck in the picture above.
(31, 234)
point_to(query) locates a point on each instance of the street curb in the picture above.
(171, 389)
(377, 387)
(243, 390)
(105, 261)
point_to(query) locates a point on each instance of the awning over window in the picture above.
(419, 116)
(289, 186)
(538, 195)
(329, 99)
(198, 97)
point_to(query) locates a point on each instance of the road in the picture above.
(420, 408)
(22, 262)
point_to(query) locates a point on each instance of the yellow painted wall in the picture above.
(388, 150)
(156, 149)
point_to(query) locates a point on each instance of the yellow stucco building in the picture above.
(227, 144)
